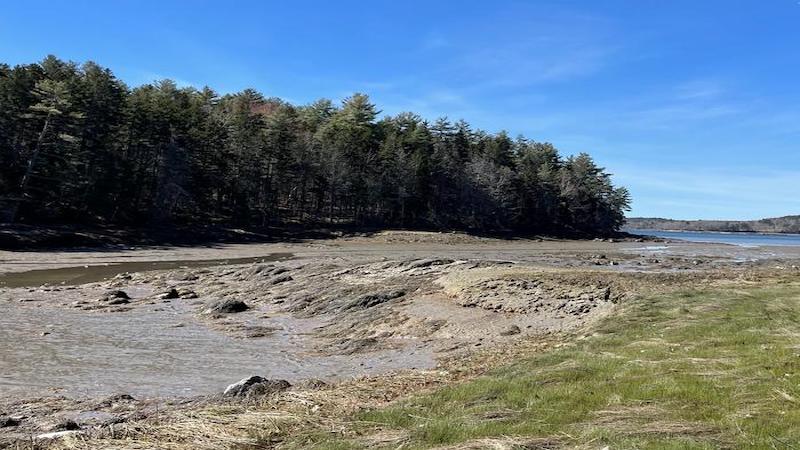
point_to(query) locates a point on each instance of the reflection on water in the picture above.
(91, 274)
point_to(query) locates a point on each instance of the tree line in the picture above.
(78, 145)
(784, 224)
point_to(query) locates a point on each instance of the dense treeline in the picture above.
(78, 145)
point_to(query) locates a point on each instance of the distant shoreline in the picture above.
(27, 237)
(638, 231)
(777, 225)
(738, 238)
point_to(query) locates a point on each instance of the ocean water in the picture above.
(740, 239)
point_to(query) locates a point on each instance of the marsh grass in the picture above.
(714, 365)
(701, 368)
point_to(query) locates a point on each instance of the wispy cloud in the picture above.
(535, 63)
(678, 116)
(698, 89)
(522, 45)
(536, 55)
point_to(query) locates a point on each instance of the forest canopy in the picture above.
(79, 146)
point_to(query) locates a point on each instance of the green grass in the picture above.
(701, 369)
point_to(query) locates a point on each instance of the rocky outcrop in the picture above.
(116, 297)
(226, 307)
(170, 295)
(525, 296)
(255, 386)
(6, 422)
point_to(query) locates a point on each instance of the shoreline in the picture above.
(32, 238)
(634, 232)
(456, 297)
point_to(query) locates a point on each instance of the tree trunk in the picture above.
(26, 179)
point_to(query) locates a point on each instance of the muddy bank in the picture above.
(189, 331)
(338, 310)
(632, 252)
(44, 238)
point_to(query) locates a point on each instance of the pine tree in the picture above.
(77, 145)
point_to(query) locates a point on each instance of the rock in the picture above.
(6, 422)
(510, 331)
(226, 307)
(116, 298)
(267, 388)
(118, 294)
(169, 295)
(255, 386)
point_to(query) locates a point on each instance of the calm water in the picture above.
(741, 239)
(94, 273)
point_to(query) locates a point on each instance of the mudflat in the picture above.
(93, 339)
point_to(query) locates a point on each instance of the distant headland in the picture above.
(785, 224)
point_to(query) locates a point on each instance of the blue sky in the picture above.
(693, 105)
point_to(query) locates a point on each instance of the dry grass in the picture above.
(304, 415)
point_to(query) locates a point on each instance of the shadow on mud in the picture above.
(92, 274)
